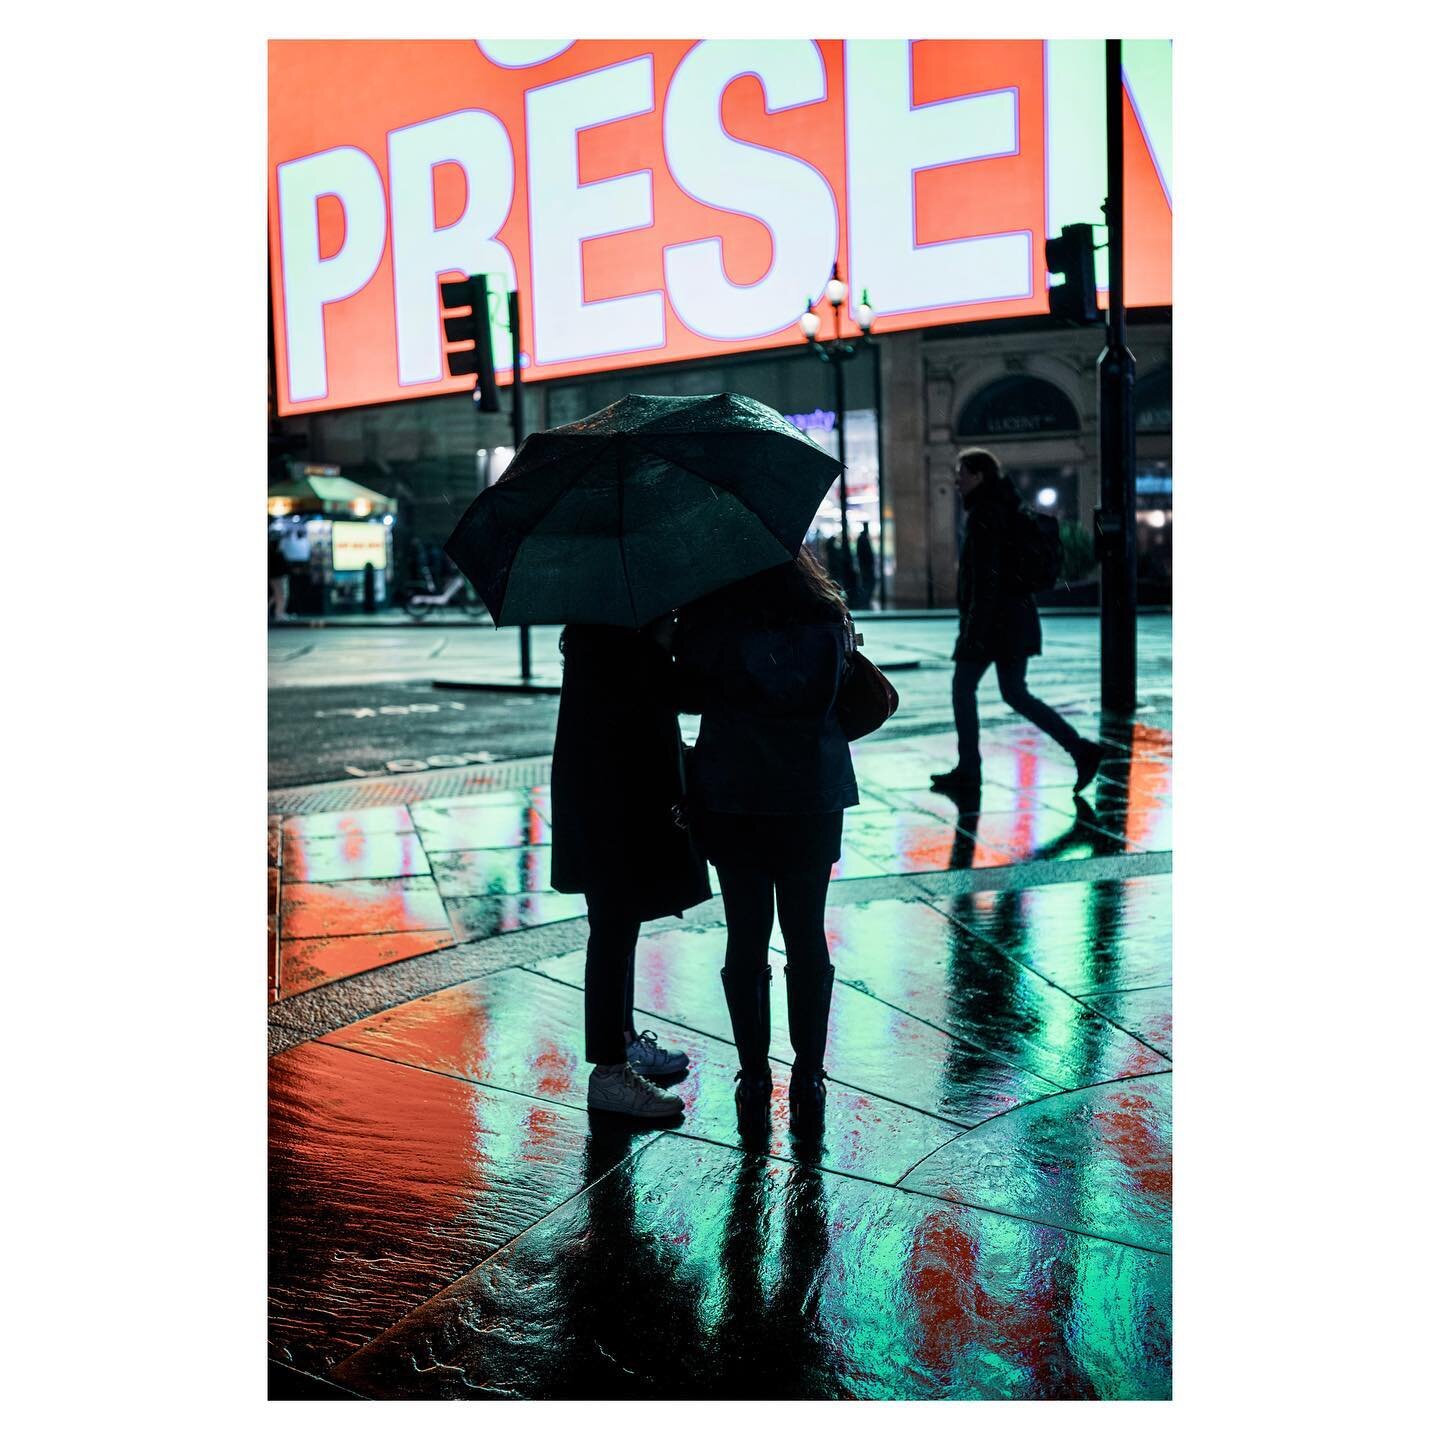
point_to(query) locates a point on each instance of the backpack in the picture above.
(1038, 555)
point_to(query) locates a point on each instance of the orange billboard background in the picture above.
(327, 94)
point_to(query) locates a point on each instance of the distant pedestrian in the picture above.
(761, 661)
(615, 784)
(999, 623)
(278, 574)
(865, 565)
(295, 547)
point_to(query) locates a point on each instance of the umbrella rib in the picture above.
(710, 480)
(541, 519)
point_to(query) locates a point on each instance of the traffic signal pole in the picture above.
(517, 415)
(1115, 519)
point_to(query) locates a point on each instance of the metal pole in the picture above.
(517, 415)
(1115, 519)
(881, 532)
(838, 360)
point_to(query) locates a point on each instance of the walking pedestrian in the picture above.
(761, 662)
(999, 624)
(865, 563)
(615, 783)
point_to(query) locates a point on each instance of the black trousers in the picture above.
(609, 981)
(1016, 694)
(751, 896)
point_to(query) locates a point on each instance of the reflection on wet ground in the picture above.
(985, 1215)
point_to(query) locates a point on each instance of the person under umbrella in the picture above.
(608, 525)
(762, 662)
(614, 784)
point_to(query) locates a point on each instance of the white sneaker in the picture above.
(648, 1057)
(620, 1091)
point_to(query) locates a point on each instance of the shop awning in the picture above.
(326, 495)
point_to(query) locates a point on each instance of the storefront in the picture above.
(1025, 390)
(335, 537)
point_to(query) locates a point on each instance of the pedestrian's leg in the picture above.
(630, 997)
(614, 1084)
(967, 713)
(1016, 694)
(749, 896)
(607, 957)
(809, 980)
(647, 1056)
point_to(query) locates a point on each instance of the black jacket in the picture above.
(616, 775)
(998, 618)
(769, 742)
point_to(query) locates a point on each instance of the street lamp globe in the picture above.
(835, 290)
(810, 324)
(865, 316)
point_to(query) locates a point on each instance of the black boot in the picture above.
(808, 994)
(748, 1000)
(1087, 763)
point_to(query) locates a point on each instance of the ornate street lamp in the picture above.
(836, 352)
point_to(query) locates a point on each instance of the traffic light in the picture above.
(1072, 255)
(473, 324)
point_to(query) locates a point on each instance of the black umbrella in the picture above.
(645, 505)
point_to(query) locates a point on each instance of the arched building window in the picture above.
(1017, 406)
(1152, 402)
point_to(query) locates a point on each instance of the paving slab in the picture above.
(523, 1032)
(909, 842)
(1145, 820)
(697, 1272)
(1146, 1013)
(386, 1184)
(479, 917)
(1095, 1160)
(1085, 938)
(520, 870)
(374, 820)
(915, 956)
(306, 964)
(493, 823)
(361, 907)
(359, 855)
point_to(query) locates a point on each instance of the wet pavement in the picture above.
(985, 1215)
(356, 703)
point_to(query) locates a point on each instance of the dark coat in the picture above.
(998, 618)
(616, 775)
(769, 742)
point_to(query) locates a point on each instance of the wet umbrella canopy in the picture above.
(643, 506)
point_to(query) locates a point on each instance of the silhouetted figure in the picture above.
(999, 623)
(295, 547)
(278, 573)
(865, 565)
(615, 782)
(761, 662)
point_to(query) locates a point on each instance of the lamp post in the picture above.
(836, 352)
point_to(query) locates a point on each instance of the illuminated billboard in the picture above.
(666, 200)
